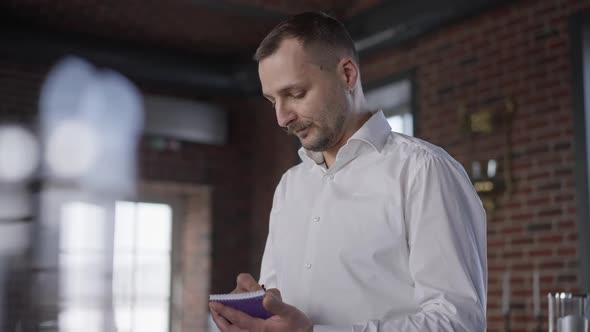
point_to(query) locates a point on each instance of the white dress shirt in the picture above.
(392, 237)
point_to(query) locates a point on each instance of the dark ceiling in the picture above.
(205, 27)
(201, 43)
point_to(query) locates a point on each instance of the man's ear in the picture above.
(349, 72)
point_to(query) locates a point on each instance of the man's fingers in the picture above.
(274, 303)
(276, 293)
(234, 317)
(246, 283)
(222, 323)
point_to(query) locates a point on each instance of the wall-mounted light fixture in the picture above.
(490, 173)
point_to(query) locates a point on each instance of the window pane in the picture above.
(152, 276)
(408, 124)
(394, 100)
(123, 276)
(396, 123)
(76, 319)
(402, 124)
(83, 283)
(153, 318)
(154, 227)
(82, 227)
(390, 96)
(142, 266)
(81, 259)
(125, 222)
(123, 317)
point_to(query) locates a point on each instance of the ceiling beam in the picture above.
(395, 22)
(385, 26)
(241, 10)
(206, 75)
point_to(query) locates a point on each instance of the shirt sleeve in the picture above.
(448, 261)
(268, 273)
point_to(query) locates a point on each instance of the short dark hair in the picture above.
(310, 28)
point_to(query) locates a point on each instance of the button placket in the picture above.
(310, 265)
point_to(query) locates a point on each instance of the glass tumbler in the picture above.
(569, 312)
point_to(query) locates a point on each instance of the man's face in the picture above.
(308, 96)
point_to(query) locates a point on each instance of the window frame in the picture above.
(410, 76)
(175, 203)
(577, 24)
(173, 246)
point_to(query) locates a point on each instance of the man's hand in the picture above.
(286, 317)
(245, 283)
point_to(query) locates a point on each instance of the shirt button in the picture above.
(329, 176)
(308, 266)
(316, 219)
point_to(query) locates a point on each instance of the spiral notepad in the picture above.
(249, 303)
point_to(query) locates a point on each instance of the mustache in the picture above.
(294, 127)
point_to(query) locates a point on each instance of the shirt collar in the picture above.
(374, 132)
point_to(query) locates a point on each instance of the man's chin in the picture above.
(312, 146)
(307, 144)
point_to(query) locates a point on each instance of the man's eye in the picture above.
(298, 95)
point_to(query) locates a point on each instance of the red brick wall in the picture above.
(20, 85)
(518, 51)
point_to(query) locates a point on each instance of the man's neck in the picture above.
(356, 123)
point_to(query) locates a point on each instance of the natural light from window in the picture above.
(141, 266)
(82, 265)
(394, 99)
(141, 276)
(402, 123)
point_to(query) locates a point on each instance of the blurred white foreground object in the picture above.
(113, 107)
(91, 121)
(72, 149)
(15, 203)
(19, 154)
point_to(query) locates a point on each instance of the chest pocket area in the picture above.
(366, 229)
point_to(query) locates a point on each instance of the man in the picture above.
(374, 230)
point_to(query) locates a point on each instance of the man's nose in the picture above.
(284, 114)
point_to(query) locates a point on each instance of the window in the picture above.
(141, 265)
(580, 49)
(395, 99)
(82, 265)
